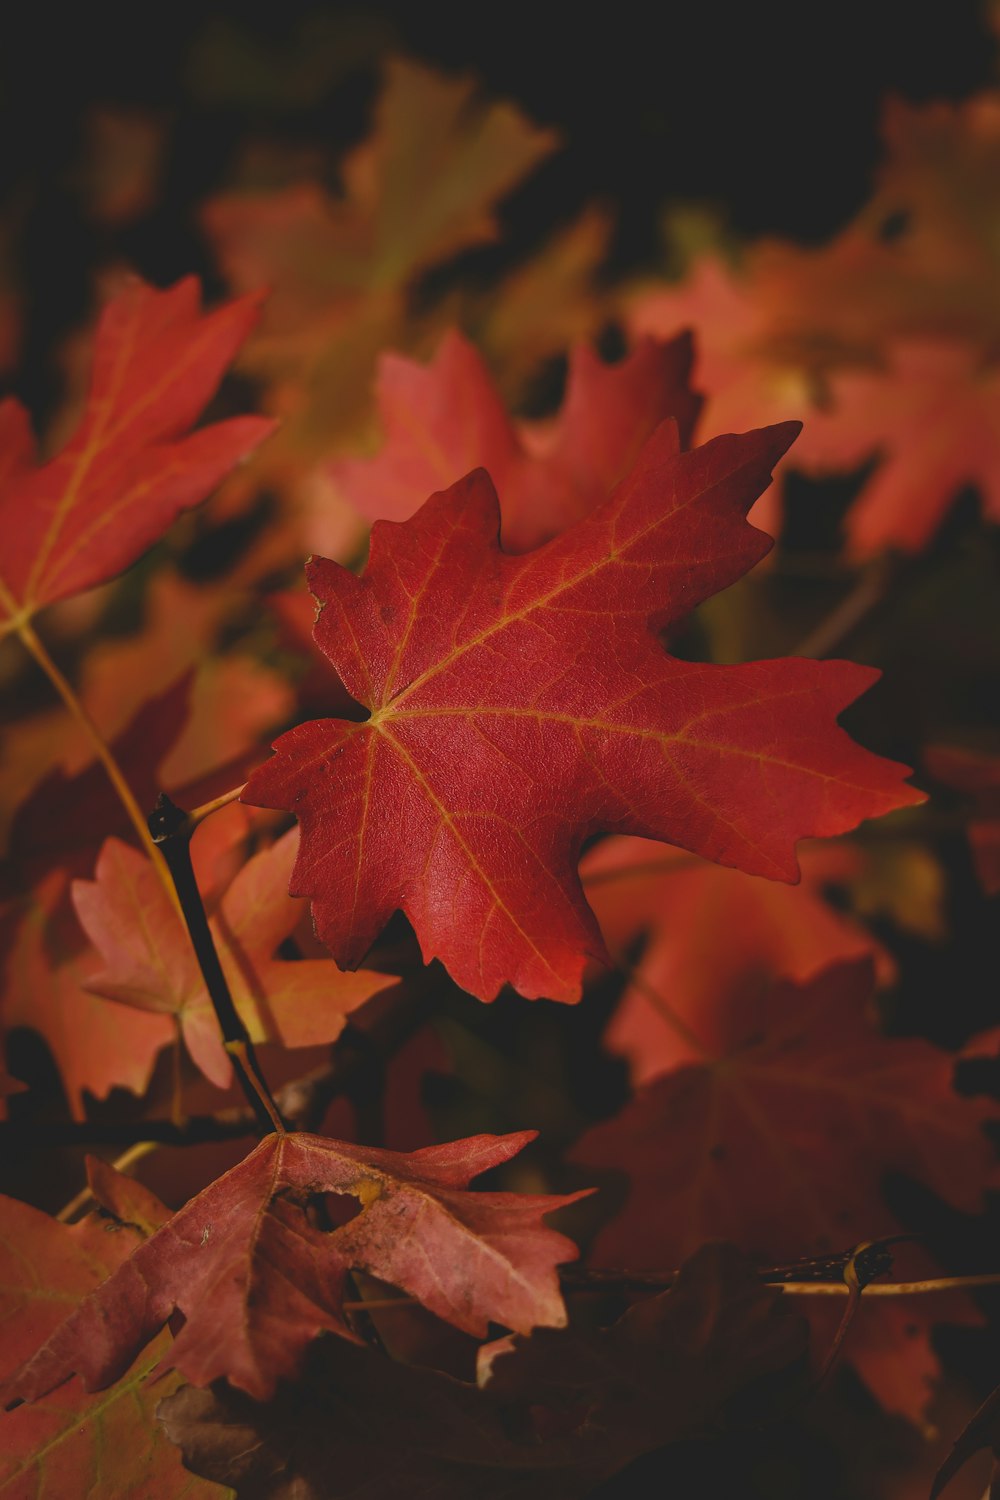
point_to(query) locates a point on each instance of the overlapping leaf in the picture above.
(131, 466)
(680, 907)
(74, 1445)
(931, 417)
(520, 704)
(444, 419)
(559, 1411)
(150, 963)
(256, 1281)
(779, 1137)
(423, 186)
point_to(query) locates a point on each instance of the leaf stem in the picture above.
(104, 754)
(199, 814)
(170, 828)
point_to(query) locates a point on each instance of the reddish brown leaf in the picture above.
(798, 1091)
(559, 1411)
(681, 906)
(779, 1138)
(256, 1281)
(150, 963)
(521, 704)
(129, 469)
(74, 1446)
(446, 418)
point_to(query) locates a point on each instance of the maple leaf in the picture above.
(558, 1412)
(151, 965)
(552, 301)
(978, 775)
(519, 705)
(96, 1045)
(779, 1137)
(128, 470)
(930, 416)
(421, 188)
(444, 419)
(680, 906)
(75, 1445)
(256, 1281)
(799, 1090)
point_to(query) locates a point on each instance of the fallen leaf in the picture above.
(519, 705)
(779, 1138)
(256, 1281)
(560, 1411)
(76, 1446)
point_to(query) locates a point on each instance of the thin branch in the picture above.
(170, 828)
(104, 754)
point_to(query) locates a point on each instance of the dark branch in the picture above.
(170, 828)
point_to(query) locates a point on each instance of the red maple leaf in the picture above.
(930, 416)
(519, 705)
(75, 1444)
(799, 1091)
(778, 1139)
(151, 965)
(680, 906)
(443, 419)
(256, 1281)
(129, 469)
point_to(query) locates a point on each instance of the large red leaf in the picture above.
(256, 1281)
(150, 963)
(520, 704)
(129, 468)
(76, 1446)
(779, 1138)
(444, 419)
